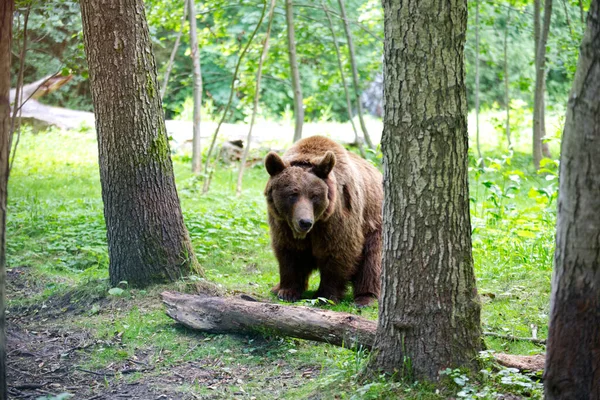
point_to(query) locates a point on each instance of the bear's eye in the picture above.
(293, 196)
(314, 197)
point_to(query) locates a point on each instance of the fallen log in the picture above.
(241, 314)
(244, 314)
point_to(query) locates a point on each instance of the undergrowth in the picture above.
(56, 229)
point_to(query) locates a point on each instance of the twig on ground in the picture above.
(95, 373)
(29, 386)
(515, 338)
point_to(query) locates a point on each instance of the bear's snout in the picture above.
(305, 224)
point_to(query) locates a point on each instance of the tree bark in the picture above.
(6, 19)
(261, 61)
(235, 315)
(355, 82)
(540, 38)
(165, 81)
(343, 78)
(298, 100)
(147, 239)
(477, 135)
(195, 50)
(506, 85)
(573, 350)
(429, 312)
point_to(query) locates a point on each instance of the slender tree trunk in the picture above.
(207, 170)
(541, 38)
(573, 349)
(298, 100)
(567, 17)
(545, 147)
(581, 12)
(355, 82)
(477, 135)
(147, 239)
(15, 124)
(195, 50)
(343, 78)
(429, 310)
(506, 83)
(6, 19)
(261, 61)
(165, 81)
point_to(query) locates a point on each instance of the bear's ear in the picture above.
(324, 167)
(274, 164)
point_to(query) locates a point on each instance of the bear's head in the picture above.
(300, 194)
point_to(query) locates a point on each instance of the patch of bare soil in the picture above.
(48, 354)
(45, 351)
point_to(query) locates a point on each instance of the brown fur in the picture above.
(319, 181)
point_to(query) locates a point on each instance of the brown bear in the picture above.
(324, 207)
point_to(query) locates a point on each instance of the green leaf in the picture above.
(116, 291)
(526, 234)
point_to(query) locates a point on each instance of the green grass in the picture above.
(56, 227)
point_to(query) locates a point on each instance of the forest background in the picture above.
(57, 254)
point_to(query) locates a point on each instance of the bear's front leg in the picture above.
(335, 274)
(295, 268)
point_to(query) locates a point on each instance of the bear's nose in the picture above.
(305, 224)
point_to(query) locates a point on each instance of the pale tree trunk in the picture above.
(429, 312)
(298, 100)
(261, 61)
(545, 147)
(147, 239)
(355, 82)
(165, 81)
(477, 135)
(506, 83)
(343, 78)
(573, 350)
(207, 170)
(195, 50)
(540, 38)
(6, 19)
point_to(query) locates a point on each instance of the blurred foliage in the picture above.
(55, 44)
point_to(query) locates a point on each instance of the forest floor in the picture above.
(69, 333)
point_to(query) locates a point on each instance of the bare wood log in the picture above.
(48, 115)
(245, 314)
(238, 315)
(530, 363)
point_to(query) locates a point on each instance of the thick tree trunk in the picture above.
(506, 85)
(235, 315)
(261, 61)
(195, 50)
(147, 239)
(298, 102)
(429, 313)
(477, 135)
(343, 78)
(355, 82)
(573, 361)
(6, 18)
(165, 81)
(540, 38)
